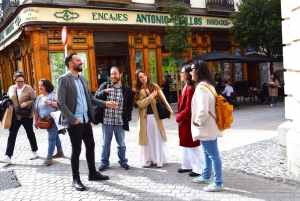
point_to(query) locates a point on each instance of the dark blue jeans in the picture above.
(78, 133)
(13, 131)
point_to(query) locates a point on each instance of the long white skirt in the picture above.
(192, 158)
(157, 151)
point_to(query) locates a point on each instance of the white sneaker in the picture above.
(34, 155)
(271, 105)
(5, 159)
(160, 165)
(147, 164)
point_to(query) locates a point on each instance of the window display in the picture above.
(152, 61)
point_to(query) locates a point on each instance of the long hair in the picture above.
(138, 85)
(187, 70)
(275, 77)
(202, 73)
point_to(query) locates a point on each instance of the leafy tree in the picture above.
(178, 30)
(257, 23)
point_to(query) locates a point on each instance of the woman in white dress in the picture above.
(151, 132)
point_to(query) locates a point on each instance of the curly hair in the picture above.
(138, 85)
(202, 73)
(47, 84)
(187, 70)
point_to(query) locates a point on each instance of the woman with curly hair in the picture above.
(204, 126)
(151, 132)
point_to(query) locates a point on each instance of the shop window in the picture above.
(223, 69)
(194, 53)
(57, 66)
(152, 60)
(194, 40)
(139, 59)
(238, 66)
(169, 68)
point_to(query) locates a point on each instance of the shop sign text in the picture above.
(54, 40)
(79, 40)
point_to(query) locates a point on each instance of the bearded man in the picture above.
(75, 102)
(115, 120)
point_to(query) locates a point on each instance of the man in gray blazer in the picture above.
(75, 102)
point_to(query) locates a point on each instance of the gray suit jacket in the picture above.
(67, 99)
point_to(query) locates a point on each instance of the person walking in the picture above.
(166, 87)
(75, 102)
(152, 136)
(115, 121)
(44, 105)
(204, 126)
(273, 84)
(23, 96)
(192, 155)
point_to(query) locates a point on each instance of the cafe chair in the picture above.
(233, 100)
(250, 95)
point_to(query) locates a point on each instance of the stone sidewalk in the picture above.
(254, 166)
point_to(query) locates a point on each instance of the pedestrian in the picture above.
(44, 105)
(219, 83)
(152, 136)
(273, 84)
(204, 126)
(227, 91)
(115, 121)
(263, 93)
(192, 155)
(75, 102)
(166, 87)
(23, 96)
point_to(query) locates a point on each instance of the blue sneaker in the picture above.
(213, 188)
(201, 180)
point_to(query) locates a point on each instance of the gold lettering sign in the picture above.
(151, 40)
(54, 40)
(138, 40)
(79, 40)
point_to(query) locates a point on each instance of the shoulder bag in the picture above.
(162, 110)
(43, 123)
(24, 112)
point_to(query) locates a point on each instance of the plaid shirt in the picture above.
(114, 116)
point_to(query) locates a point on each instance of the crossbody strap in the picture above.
(215, 95)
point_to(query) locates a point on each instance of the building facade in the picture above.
(127, 33)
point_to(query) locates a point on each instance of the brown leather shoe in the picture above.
(58, 155)
(48, 161)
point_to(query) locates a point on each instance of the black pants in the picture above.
(77, 133)
(261, 97)
(13, 131)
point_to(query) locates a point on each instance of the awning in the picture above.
(10, 39)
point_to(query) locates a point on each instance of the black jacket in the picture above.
(3, 105)
(127, 103)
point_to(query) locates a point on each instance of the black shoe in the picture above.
(103, 168)
(78, 185)
(97, 176)
(125, 166)
(183, 170)
(194, 174)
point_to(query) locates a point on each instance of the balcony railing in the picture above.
(111, 1)
(220, 3)
(160, 3)
(6, 4)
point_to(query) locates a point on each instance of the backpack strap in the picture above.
(215, 95)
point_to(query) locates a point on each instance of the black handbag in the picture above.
(162, 110)
(24, 112)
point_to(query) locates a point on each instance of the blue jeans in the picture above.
(53, 140)
(212, 160)
(107, 133)
(274, 99)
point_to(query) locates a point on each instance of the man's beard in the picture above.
(78, 69)
(117, 80)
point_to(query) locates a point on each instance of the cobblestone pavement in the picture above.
(254, 166)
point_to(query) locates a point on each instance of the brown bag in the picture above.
(7, 118)
(44, 123)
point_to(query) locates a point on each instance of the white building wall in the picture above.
(290, 12)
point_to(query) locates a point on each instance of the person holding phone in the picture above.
(273, 84)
